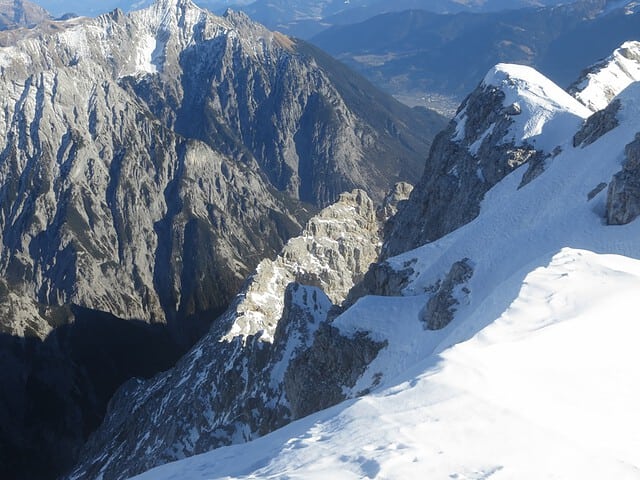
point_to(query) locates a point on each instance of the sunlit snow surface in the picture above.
(536, 378)
(549, 390)
(611, 77)
(547, 111)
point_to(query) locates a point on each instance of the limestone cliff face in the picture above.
(104, 206)
(142, 155)
(265, 362)
(333, 252)
(126, 218)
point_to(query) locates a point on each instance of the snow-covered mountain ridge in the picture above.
(605, 80)
(515, 116)
(534, 375)
(542, 112)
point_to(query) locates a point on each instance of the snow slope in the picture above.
(536, 376)
(544, 392)
(609, 77)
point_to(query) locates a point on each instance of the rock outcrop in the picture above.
(272, 357)
(441, 307)
(316, 379)
(598, 124)
(392, 201)
(623, 196)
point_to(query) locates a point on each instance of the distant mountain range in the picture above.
(97, 7)
(420, 54)
(303, 18)
(430, 53)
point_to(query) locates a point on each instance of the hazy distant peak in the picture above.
(20, 13)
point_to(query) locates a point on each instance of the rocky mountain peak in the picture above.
(168, 8)
(165, 29)
(248, 72)
(541, 112)
(333, 252)
(515, 116)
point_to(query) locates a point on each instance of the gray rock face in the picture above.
(255, 369)
(135, 150)
(333, 252)
(398, 194)
(315, 379)
(623, 196)
(346, 237)
(23, 316)
(381, 279)
(440, 309)
(106, 207)
(597, 125)
(466, 160)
